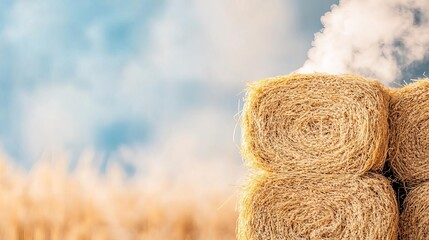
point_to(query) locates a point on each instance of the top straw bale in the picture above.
(409, 132)
(315, 123)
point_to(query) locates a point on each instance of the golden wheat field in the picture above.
(50, 202)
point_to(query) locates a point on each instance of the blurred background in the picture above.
(147, 82)
(110, 108)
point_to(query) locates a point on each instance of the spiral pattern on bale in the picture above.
(334, 207)
(316, 123)
(414, 222)
(409, 132)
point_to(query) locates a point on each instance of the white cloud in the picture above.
(375, 38)
(196, 150)
(216, 45)
(225, 42)
(56, 119)
(28, 18)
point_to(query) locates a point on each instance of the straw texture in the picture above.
(334, 207)
(409, 132)
(315, 123)
(415, 217)
(53, 203)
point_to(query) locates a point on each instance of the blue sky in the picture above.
(147, 82)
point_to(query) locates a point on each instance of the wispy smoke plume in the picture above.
(375, 38)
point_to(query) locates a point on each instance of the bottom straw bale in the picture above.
(415, 216)
(334, 207)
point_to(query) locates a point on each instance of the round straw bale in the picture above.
(315, 123)
(414, 222)
(409, 132)
(331, 207)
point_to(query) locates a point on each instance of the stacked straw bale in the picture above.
(414, 222)
(316, 123)
(409, 155)
(311, 140)
(409, 132)
(330, 207)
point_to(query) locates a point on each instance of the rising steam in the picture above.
(374, 38)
